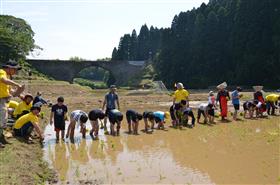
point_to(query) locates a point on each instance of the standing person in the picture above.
(235, 96)
(133, 119)
(180, 94)
(110, 101)
(222, 98)
(115, 117)
(271, 103)
(77, 117)
(24, 125)
(95, 115)
(9, 69)
(58, 116)
(24, 106)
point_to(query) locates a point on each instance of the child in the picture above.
(250, 107)
(94, 115)
(24, 106)
(58, 116)
(160, 118)
(236, 101)
(149, 117)
(133, 118)
(80, 117)
(115, 117)
(186, 113)
(24, 125)
(204, 110)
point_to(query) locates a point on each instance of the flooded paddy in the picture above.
(243, 152)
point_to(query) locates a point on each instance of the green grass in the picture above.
(91, 84)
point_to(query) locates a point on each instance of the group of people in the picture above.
(26, 113)
(181, 111)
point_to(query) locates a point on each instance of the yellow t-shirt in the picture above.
(272, 97)
(22, 106)
(4, 88)
(12, 104)
(30, 117)
(180, 95)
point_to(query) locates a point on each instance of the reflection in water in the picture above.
(125, 159)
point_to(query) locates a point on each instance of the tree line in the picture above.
(237, 41)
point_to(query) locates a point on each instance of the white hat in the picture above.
(257, 88)
(180, 86)
(222, 85)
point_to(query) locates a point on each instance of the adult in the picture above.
(271, 103)
(24, 125)
(222, 98)
(110, 101)
(180, 94)
(6, 92)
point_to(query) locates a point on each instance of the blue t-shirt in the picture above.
(111, 100)
(235, 97)
(159, 115)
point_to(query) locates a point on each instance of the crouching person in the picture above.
(149, 117)
(133, 119)
(160, 118)
(204, 109)
(115, 117)
(250, 107)
(95, 116)
(186, 114)
(24, 125)
(79, 117)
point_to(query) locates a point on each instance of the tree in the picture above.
(16, 38)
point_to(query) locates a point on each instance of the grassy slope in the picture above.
(22, 163)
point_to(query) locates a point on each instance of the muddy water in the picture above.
(128, 159)
(244, 152)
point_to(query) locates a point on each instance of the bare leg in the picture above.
(62, 134)
(72, 129)
(129, 126)
(146, 124)
(136, 127)
(57, 135)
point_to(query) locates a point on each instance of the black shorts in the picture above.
(199, 112)
(59, 125)
(115, 117)
(96, 114)
(177, 106)
(148, 115)
(211, 112)
(236, 106)
(107, 111)
(131, 116)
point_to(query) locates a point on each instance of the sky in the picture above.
(90, 29)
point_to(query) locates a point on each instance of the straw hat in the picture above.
(222, 85)
(257, 88)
